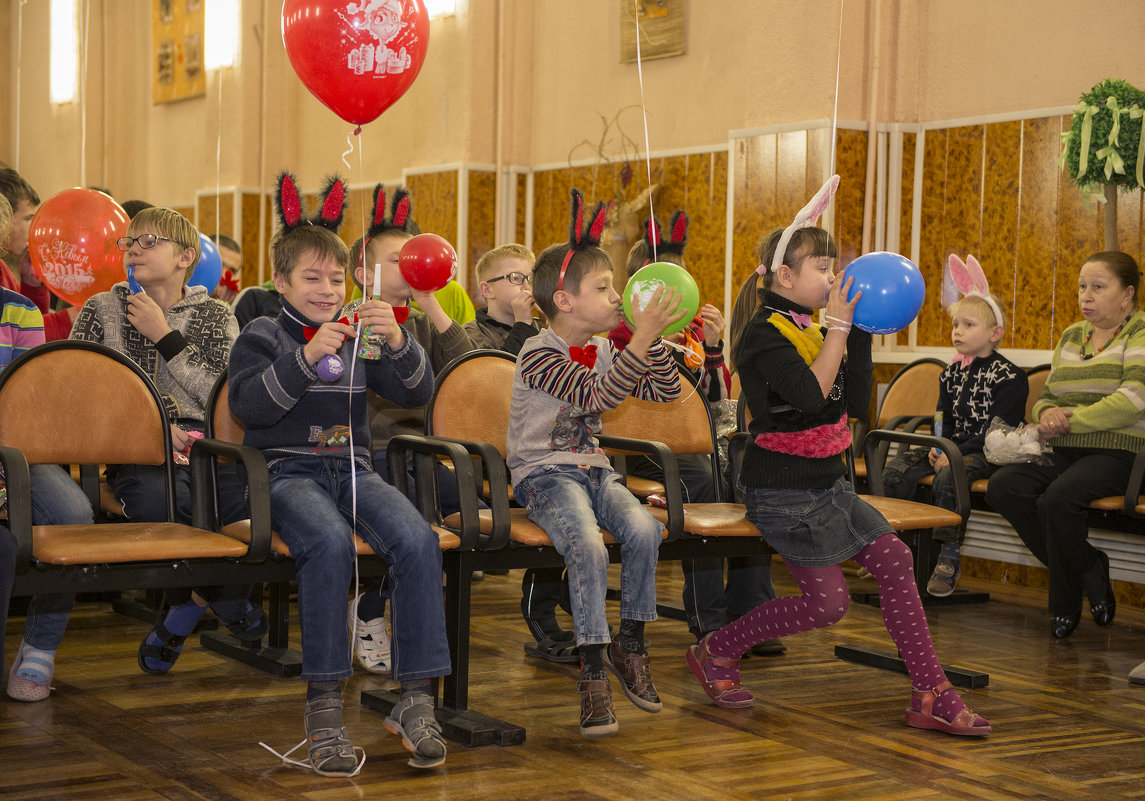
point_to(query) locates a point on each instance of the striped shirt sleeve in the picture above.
(552, 372)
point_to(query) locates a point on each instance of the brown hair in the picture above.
(290, 245)
(356, 259)
(805, 242)
(547, 273)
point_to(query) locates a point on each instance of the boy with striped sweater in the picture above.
(565, 378)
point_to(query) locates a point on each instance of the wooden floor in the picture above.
(1067, 723)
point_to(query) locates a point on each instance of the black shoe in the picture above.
(1063, 625)
(771, 647)
(1104, 610)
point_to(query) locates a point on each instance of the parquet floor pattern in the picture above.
(1067, 723)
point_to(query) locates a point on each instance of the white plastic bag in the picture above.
(1007, 444)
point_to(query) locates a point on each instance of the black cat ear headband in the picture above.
(399, 219)
(288, 204)
(581, 236)
(677, 236)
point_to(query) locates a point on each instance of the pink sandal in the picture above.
(965, 723)
(726, 693)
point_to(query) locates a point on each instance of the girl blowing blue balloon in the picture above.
(800, 389)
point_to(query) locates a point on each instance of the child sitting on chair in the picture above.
(300, 420)
(979, 385)
(565, 378)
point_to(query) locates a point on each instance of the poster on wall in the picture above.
(177, 28)
(662, 29)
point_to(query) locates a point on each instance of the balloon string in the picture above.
(835, 111)
(219, 159)
(644, 112)
(349, 149)
(19, 69)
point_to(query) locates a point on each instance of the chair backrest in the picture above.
(471, 400)
(1037, 377)
(683, 424)
(221, 423)
(72, 402)
(912, 392)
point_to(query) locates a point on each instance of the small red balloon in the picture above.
(427, 262)
(356, 57)
(72, 244)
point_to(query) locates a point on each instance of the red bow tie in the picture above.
(401, 313)
(309, 332)
(585, 355)
(801, 320)
(228, 281)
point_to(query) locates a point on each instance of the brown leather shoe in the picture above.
(596, 716)
(635, 674)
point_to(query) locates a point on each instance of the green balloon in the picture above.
(661, 273)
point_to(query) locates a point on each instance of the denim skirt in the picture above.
(815, 527)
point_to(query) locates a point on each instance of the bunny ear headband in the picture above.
(965, 279)
(288, 204)
(807, 217)
(677, 235)
(581, 237)
(399, 220)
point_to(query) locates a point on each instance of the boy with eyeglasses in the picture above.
(182, 338)
(505, 276)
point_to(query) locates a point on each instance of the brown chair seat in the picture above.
(524, 531)
(240, 531)
(643, 487)
(1115, 503)
(911, 516)
(114, 543)
(712, 520)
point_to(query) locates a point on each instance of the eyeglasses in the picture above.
(146, 241)
(514, 278)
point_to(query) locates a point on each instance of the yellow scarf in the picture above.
(808, 341)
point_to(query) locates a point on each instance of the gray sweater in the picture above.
(185, 364)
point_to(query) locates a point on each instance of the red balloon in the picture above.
(358, 58)
(72, 243)
(427, 262)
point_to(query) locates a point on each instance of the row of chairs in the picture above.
(80, 403)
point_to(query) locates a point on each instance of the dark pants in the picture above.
(140, 488)
(1048, 506)
(901, 476)
(709, 603)
(7, 576)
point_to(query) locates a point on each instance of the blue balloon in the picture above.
(893, 291)
(209, 268)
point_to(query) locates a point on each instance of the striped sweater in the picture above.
(21, 326)
(556, 405)
(1105, 390)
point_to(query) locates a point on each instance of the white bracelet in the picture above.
(831, 328)
(831, 319)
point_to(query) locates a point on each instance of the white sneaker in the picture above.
(371, 641)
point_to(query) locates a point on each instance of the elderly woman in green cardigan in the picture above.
(1091, 412)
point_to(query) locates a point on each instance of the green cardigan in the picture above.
(1105, 391)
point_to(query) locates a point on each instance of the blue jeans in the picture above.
(7, 574)
(57, 500)
(569, 503)
(311, 507)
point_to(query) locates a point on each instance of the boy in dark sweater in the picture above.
(979, 385)
(315, 436)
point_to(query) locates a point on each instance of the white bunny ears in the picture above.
(963, 279)
(807, 216)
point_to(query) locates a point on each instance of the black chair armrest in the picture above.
(19, 483)
(957, 467)
(205, 497)
(426, 450)
(668, 462)
(1133, 488)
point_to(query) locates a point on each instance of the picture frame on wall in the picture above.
(177, 31)
(663, 29)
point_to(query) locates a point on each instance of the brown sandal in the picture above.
(965, 723)
(726, 693)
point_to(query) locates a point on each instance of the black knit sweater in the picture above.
(783, 395)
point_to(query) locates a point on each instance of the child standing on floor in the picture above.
(979, 385)
(800, 390)
(565, 378)
(299, 421)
